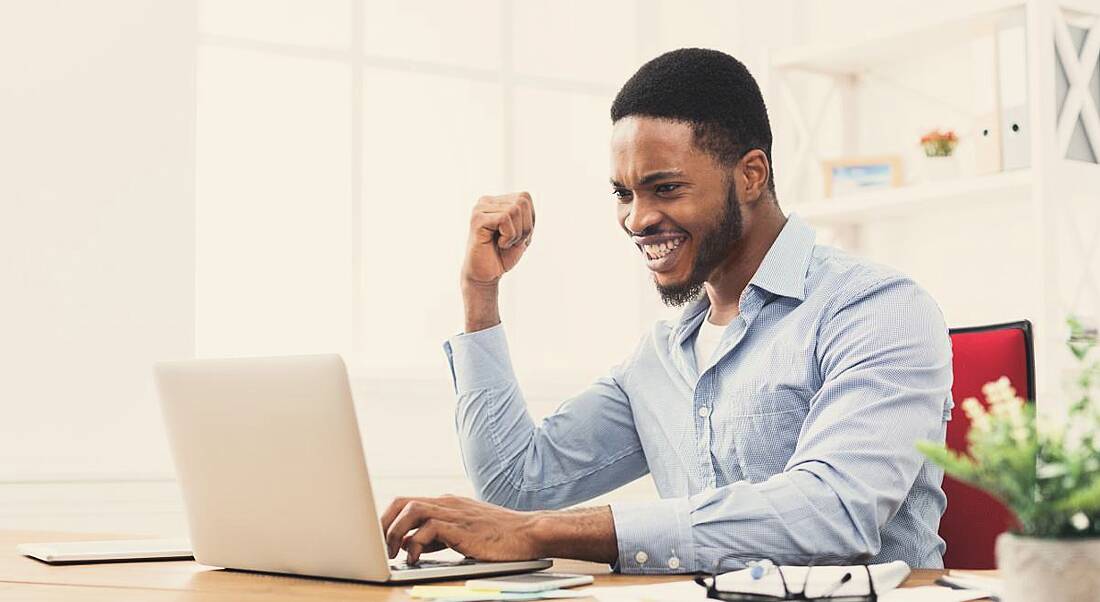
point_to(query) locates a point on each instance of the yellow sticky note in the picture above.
(447, 591)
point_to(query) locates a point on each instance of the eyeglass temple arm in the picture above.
(845, 579)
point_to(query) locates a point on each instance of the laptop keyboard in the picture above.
(430, 564)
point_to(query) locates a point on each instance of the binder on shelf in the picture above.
(987, 105)
(1012, 79)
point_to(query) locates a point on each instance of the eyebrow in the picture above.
(651, 177)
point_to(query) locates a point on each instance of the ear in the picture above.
(754, 174)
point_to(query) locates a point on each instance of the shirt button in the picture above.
(674, 563)
(641, 557)
(704, 411)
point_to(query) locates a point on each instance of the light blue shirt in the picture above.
(798, 440)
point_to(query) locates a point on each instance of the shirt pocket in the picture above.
(765, 429)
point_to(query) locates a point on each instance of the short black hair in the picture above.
(712, 91)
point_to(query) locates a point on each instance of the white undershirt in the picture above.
(706, 341)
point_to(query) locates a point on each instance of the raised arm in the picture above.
(586, 448)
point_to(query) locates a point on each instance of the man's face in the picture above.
(677, 203)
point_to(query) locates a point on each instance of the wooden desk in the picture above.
(22, 578)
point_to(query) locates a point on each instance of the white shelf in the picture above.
(921, 198)
(852, 56)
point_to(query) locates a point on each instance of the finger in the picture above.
(527, 221)
(395, 508)
(508, 229)
(493, 205)
(412, 517)
(502, 204)
(507, 200)
(392, 511)
(486, 214)
(426, 539)
(434, 546)
(406, 520)
(484, 228)
(516, 215)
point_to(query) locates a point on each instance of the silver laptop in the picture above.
(269, 459)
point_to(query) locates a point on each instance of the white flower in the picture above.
(1079, 521)
(979, 419)
(999, 391)
(973, 408)
(1001, 395)
(989, 390)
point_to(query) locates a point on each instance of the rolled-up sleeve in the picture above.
(654, 537)
(479, 359)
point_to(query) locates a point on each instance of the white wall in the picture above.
(97, 118)
(97, 240)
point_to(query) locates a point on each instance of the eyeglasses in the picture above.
(710, 581)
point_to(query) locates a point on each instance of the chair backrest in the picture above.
(974, 519)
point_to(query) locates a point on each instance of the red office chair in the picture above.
(974, 519)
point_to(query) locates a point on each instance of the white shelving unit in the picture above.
(1006, 187)
(849, 56)
(1061, 195)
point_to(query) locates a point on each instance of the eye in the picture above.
(664, 188)
(622, 194)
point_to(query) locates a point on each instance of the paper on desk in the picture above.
(972, 581)
(459, 593)
(932, 593)
(663, 592)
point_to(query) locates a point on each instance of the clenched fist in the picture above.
(500, 231)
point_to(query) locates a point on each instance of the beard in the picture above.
(712, 251)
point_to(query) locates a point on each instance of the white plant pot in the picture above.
(1050, 570)
(940, 168)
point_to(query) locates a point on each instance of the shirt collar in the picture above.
(783, 270)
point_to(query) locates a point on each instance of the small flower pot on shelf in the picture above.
(939, 155)
(940, 168)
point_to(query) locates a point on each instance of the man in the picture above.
(777, 416)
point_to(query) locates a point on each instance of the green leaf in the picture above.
(954, 464)
(1085, 499)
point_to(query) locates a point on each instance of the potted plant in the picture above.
(1046, 470)
(939, 149)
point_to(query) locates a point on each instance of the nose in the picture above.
(640, 216)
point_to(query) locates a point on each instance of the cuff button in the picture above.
(641, 557)
(674, 563)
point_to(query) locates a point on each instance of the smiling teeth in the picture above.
(659, 251)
